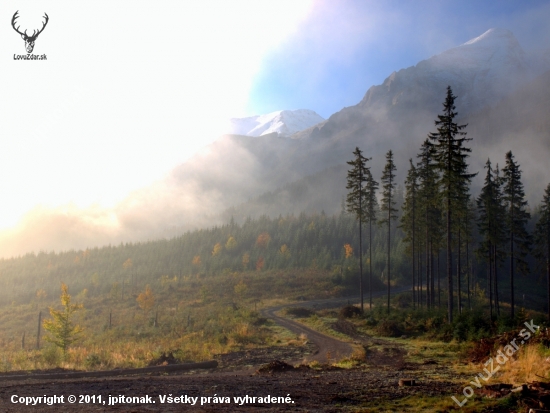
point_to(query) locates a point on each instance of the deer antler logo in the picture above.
(29, 40)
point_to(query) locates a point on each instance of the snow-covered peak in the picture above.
(282, 122)
(494, 48)
(493, 37)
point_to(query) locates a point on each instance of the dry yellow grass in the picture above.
(530, 363)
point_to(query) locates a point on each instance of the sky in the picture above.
(130, 90)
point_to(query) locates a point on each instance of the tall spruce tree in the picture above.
(408, 219)
(542, 240)
(356, 202)
(516, 220)
(490, 224)
(429, 211)
(371, 210)
(486, 225)
(389, 212)
(499, 253)
(470, 224)
(463, 232)
(450, 158)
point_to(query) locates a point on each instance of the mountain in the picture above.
(503, 94)
(282, 122)
(398, 115)
(267, 173)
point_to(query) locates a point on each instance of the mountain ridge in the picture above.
(397, 115)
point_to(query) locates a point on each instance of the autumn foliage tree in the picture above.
(63, 332)
(348, 250)
(217, 249)
(263, 240)
(146, 299)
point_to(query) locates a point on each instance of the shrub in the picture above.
(349, 311)
(389, 328)
(403, 300)
(92, 361)
(51, 355)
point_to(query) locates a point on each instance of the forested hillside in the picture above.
(315, 240)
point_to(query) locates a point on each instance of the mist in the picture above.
(242, 176)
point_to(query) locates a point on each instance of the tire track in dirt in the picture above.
(328, 347)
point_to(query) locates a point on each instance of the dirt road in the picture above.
(222, 390)
(328, 348)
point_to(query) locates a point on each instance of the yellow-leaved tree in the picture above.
(349, 250)
(217, 249)
(63, 332)
(230, 244)
(146, 299)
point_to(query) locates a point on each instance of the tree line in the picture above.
(440, 215)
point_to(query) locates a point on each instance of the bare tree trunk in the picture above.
(370, 263)
(548, 264)
(490, 282)
(458, 271)
(468, 273)
(438, 281)
(389, 235)
(512, 303)
(413, 263)
(38, 333)
(360, 259)
(428, 270)
(432, 275)
(420, 280)
(495, 276)
(450, 302)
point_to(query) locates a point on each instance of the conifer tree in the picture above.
(408, 219)
(450, 159)
(356, 202)
(487, 225)
(499, 253)
(462, 229)
(469, 222)
(516, 220)
(389, 212)
(542, 240)
(371, 212)
(61, 327)
(429, 211)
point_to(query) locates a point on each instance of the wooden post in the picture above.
(23, 341)
(38, 334)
